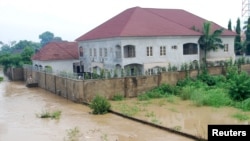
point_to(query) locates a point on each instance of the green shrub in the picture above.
(213, 97)
(244, 105)
(239, 89)
(100, 105)
(52, 115)
(186, 92)
(1, 78)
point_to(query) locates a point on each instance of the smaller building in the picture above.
(58, 57)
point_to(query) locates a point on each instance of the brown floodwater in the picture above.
(19, 106)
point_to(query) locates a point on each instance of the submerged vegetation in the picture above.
(53, 115)
(99, 105)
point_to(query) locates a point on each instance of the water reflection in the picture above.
(19, 106)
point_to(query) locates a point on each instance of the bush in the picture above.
(52, 115)
(100, 105)
(244, 105)
(239, 89)
(213, 97)
(1, 78)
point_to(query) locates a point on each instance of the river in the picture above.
(19, 106)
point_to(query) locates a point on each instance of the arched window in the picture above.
(190, 48)
(129, 51)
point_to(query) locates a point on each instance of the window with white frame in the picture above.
(105, 52)
(174, 47)
(162, 50)
(90, 52)
(100, 51)
(149, 51)
(95, 52)
(225, 47)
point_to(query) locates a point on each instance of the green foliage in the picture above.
(73, 134)
(229, 26)
(208, 79)
(244, 105)
(1, 78)
(52, 115)
(15, 55)
(210, 40)
(213, 97)
(26, 55)
(129, 110)
(239, 86)
(46, 37)
(163, 90)
(118, 97)
(94, 74)
(241, 117)
(100, 105)
(102, 73)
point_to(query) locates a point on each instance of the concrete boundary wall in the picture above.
(85, 90)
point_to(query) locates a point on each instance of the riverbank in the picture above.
(179, 115)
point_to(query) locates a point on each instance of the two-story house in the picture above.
(144, 39)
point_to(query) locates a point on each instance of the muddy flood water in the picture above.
(19, 106)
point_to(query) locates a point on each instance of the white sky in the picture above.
(69, 19)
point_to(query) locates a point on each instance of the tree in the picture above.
(242, 46)
(247, 33)
(46, 37)
(210, 41)
(229, 27)
(26, 55)
(237, 39)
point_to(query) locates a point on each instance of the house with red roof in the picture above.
(58, 56)
(144, 39)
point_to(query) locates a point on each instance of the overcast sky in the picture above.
(69, 19)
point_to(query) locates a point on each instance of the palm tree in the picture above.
(242, 47)
(210, 40)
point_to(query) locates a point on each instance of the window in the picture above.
(105, 52)
(174, 47)
(190, 48)
(162, 50)
(94, 52)
(90, 52)
(129, 51)
(225, 47)
(81, 51)
(149, 51)
(100, 52)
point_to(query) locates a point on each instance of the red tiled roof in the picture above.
(57, 51)
(150, 22)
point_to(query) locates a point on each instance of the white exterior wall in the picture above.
(173, 56)
(220, 54)
(57, 65)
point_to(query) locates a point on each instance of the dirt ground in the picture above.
(183, 116)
